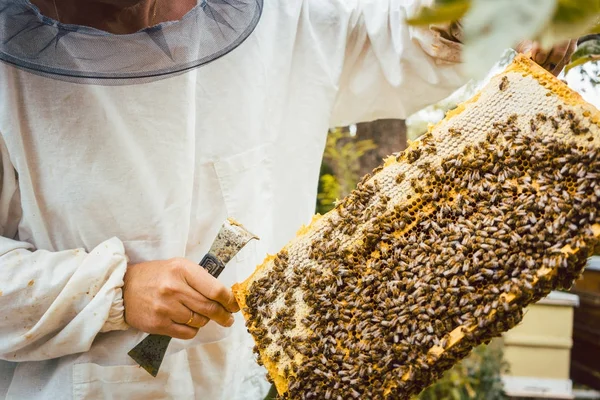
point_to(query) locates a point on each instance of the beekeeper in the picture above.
(129, 131)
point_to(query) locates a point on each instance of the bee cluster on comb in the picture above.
(436, 252)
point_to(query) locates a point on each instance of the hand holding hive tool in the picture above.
(232, 237)
(436, 252)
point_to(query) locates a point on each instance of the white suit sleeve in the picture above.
(53, 303)
(390, 69)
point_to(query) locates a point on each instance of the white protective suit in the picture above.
(92, 177)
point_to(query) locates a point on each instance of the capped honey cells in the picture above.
(436, 252)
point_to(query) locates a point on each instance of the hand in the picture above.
(554, 59)
(160, 296)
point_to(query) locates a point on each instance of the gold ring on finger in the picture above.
(197, 321)
(189, 323)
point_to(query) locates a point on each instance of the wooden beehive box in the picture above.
(585, 362)
(539, 349)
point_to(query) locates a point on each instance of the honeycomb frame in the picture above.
(395, 205)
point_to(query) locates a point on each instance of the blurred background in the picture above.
(555, 352)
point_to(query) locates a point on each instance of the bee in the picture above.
(413, 155)
(425, 166)
(400, 178)
(455, 132)
(431, 148)
(443, 342)
(503, 84)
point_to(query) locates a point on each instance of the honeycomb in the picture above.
(438, 250)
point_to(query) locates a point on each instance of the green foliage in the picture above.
(580, 16)
(443, 12)
(341, 166)
(588, 51)
(477, 377)
(574, 12)
(329, 192)
(272, 395)
(492, 25)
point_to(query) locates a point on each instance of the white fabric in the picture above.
(92, 177)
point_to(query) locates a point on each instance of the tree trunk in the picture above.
(388, 134)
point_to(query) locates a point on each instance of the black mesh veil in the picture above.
(33, 42)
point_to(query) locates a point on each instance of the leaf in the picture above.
(575, 11)
(594, 29)
(470, 392)
(587, 51)
(444, 12)
(330, 192)
(455, 393)
(572, 19)
(492, 26)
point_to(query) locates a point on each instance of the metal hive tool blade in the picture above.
(150, 352)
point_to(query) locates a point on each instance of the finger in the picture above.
(207, 308)
(180, 314)
(569, 50)
(198, 321)
(524, 47)
(556, 58)
(538, 54)
(210, 287)
(193, 320)
(179, 331)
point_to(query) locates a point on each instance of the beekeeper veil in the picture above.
(43, 46)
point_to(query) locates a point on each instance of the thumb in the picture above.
(525, 47)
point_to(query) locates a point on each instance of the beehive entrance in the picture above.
(438, 251)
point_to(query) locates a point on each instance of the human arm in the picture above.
(52, 303)
(391, 69)
(55, 303)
